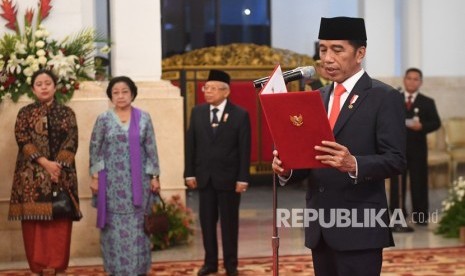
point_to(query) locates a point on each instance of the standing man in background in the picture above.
(421, 119)
(217, 163)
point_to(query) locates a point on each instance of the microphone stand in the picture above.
(398, 228)
(275, 237)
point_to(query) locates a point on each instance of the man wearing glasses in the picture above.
(217, 163)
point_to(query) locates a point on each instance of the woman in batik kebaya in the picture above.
(124, 169)
(47, 137)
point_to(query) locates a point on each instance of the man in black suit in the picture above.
(217, 163)
(368, 125)
(422, 118)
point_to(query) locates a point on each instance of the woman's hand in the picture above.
(155, 185)
(94, 185)
(52, 167)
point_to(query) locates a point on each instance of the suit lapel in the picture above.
(206, 121)
(223, 119)
(358, 94)
(325, 95)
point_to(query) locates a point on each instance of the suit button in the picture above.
(321, 189)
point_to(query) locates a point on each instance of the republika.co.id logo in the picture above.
(340, 217)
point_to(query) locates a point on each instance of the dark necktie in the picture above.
(215, 120)
(409, 102)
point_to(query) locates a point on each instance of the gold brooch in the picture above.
(296, 120)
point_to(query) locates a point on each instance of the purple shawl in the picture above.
(136, 171)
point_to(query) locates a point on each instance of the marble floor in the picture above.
(256, 228)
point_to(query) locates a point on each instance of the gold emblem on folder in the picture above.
(296, 120)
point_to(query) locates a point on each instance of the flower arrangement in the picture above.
(453, 217)
(180, 224)
(30, 48)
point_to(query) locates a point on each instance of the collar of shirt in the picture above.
(350, 82)
(221, 108)
(414, 95)
(348, 85)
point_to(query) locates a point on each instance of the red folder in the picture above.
(297, 122)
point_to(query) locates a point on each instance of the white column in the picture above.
(412, 34)
(381, 37)
(136, 39)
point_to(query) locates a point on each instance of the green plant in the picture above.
(453, 216)
(180, 224)
(30, 48)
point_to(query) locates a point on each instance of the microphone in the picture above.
(298, 73)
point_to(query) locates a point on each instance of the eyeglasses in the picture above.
(212, 88)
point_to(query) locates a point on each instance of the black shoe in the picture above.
(205, 270)
(232, 272)
(401, 229)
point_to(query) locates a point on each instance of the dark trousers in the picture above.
(417, 172)
(330, 262)
(224, 205)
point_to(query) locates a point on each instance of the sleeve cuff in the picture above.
(352, 175)
(65, 158)
(97, 167)
(283, 180)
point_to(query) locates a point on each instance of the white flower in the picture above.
(35, 66)
(460, 183)
(33, 50)
(28, 72)
(29, 60)
(14, 64)
(461, 194)
(40, 44)
(63, 65)
(42, 60)
(39, 33)
(40, 53)
(20, 48)
(105, 49)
